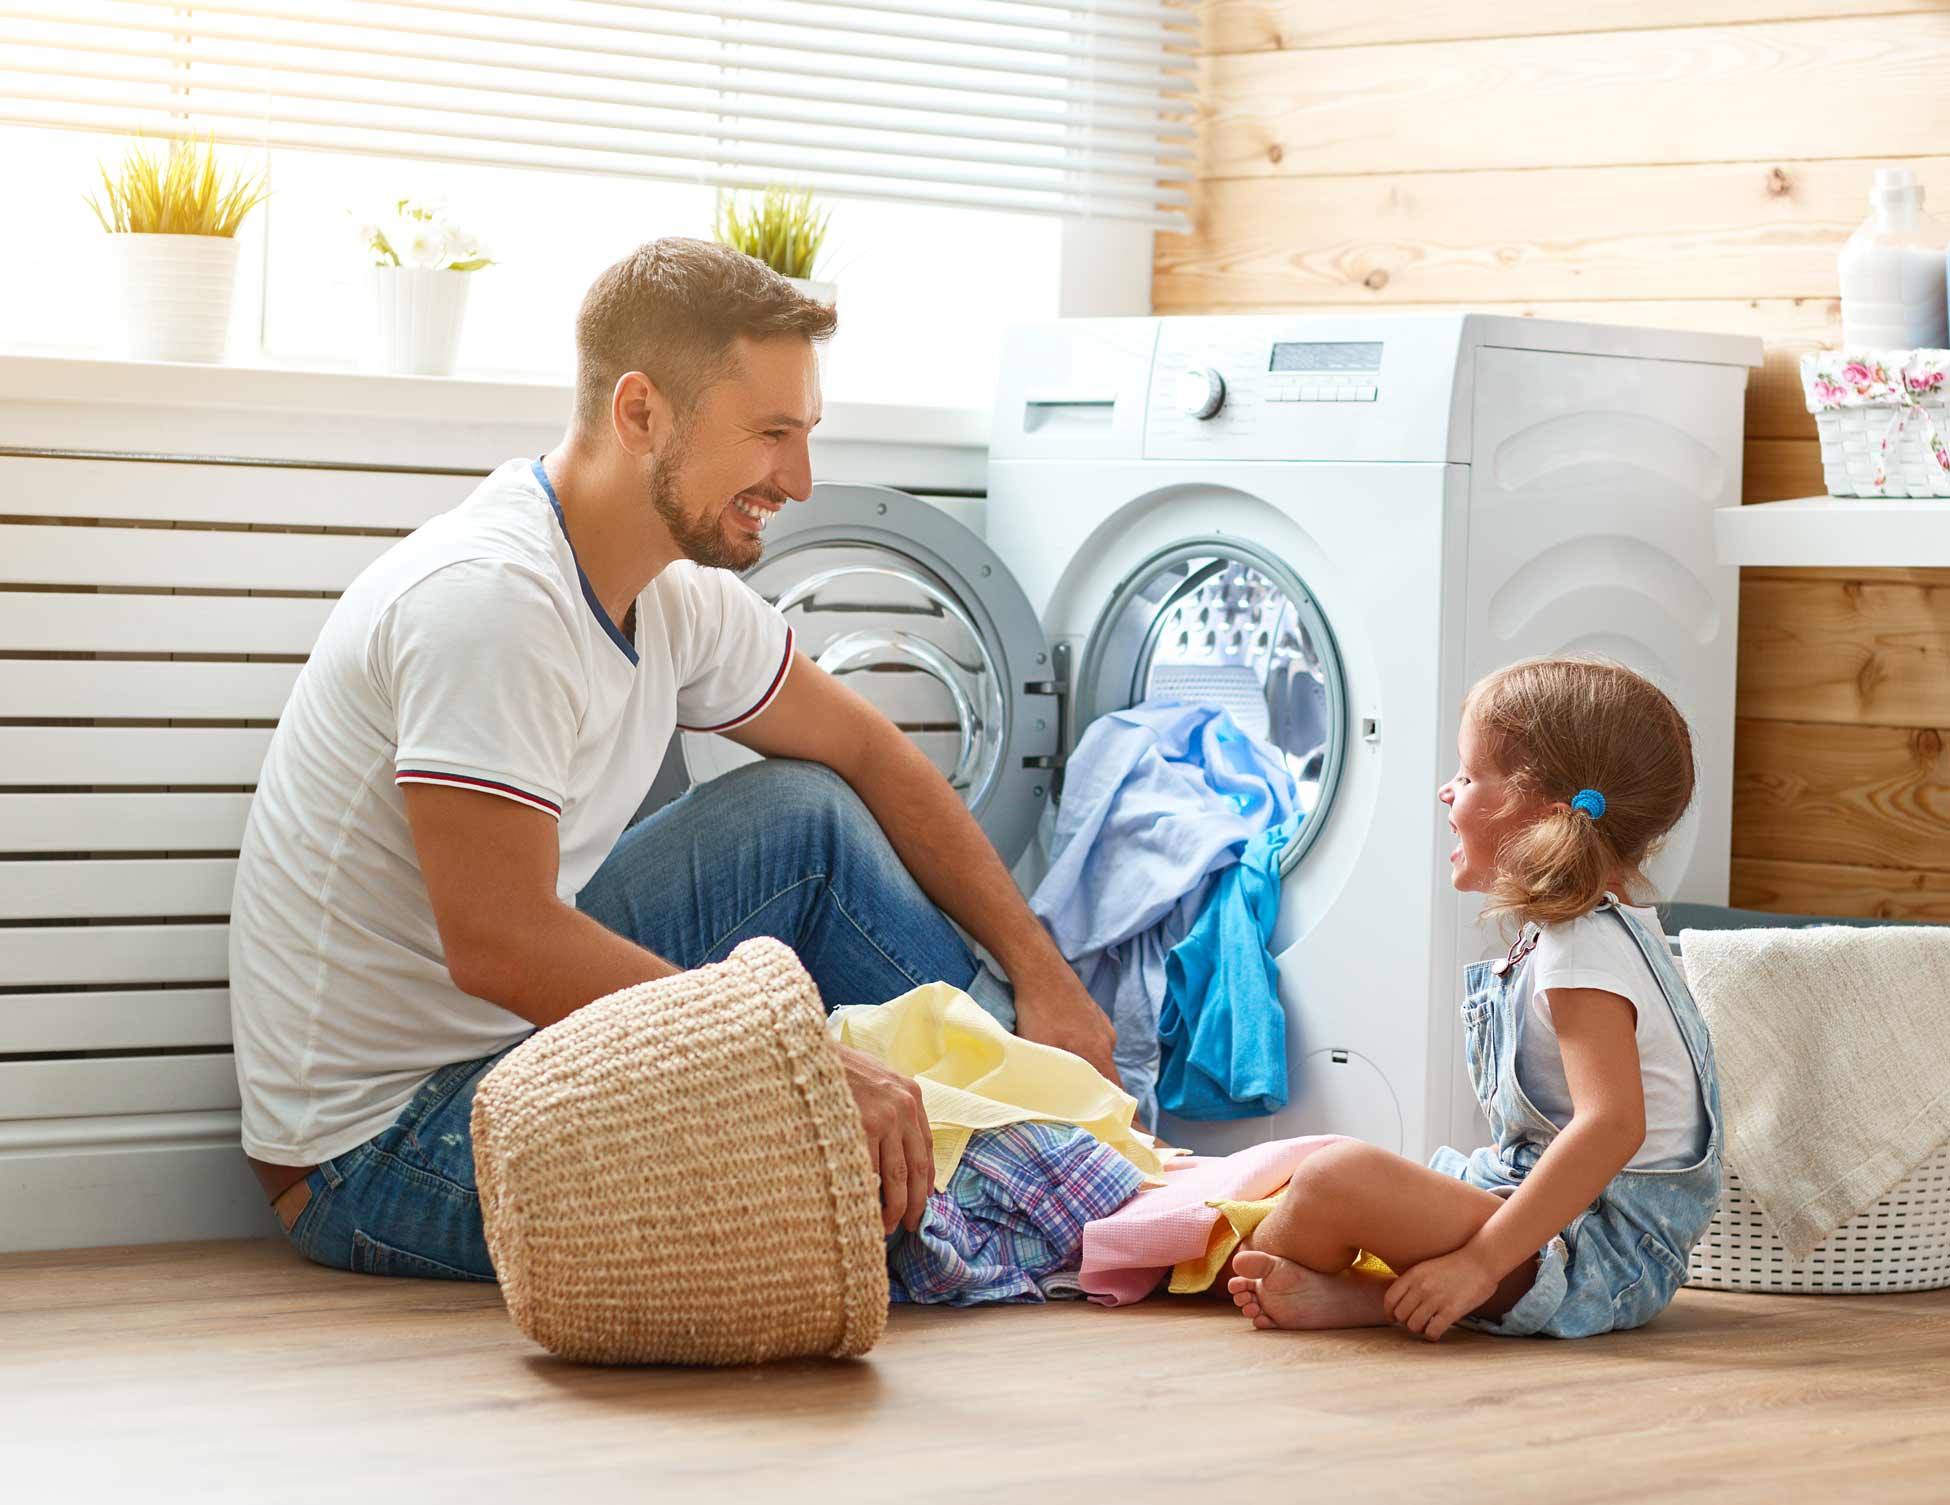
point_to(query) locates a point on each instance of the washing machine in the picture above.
(1332, 526)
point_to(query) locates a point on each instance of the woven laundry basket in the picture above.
(1883, 421)
(677, 1174)
(1902, 1243)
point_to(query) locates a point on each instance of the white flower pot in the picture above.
(170, 295)
(820, 292)
(416, 318)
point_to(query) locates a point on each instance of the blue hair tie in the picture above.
(1591, 802)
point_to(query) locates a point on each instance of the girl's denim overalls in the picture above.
(1621, 1260)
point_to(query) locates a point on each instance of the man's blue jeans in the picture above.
(778, 848)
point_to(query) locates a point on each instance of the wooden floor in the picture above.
(235, 1371)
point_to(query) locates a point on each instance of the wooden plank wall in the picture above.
(1688, 163)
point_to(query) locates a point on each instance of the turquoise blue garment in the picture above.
(1222, 1030)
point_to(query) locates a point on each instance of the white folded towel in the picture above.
(1833, 1047)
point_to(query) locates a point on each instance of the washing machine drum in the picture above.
(1223, 622)
(917, 614)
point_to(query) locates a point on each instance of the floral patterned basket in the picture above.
(1882, 420)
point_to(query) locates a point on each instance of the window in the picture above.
(950, 136)
(925, 292)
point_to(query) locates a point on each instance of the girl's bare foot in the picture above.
(1276, 1292)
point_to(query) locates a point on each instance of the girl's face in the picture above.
(1477, 797)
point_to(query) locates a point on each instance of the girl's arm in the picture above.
(1598, 1039)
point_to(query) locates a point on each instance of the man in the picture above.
(437, 860)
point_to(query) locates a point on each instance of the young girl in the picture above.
(1586, 1049)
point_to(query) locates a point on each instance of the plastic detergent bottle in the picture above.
(1893, 271)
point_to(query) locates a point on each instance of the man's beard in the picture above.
(705, 542)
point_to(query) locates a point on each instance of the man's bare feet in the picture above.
(1276, 1292)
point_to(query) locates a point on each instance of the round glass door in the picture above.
(1221, 622)
(895, 633)
(912, 611)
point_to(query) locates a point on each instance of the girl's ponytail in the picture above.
(1552, 870)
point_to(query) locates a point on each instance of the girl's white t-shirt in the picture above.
(1594, 951)
(475, 655)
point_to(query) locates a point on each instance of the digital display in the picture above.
(1290, 356)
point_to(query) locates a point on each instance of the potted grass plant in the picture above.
(172, 226)
(422, 265)
(782, 228)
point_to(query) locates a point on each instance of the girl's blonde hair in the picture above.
(1552, 727)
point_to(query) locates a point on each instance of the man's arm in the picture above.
(818, 719)
(490, 868)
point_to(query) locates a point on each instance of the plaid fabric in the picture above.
(1011, 1218)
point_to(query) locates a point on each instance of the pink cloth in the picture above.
(1127, 1254)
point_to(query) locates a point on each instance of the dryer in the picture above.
(1332, 526)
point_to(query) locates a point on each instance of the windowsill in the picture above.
(424, 399)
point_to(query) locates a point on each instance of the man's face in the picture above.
(742, 455)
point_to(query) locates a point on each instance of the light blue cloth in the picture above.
(1222, 1031)
(1156, 799)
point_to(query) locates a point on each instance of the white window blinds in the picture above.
(1079, 109)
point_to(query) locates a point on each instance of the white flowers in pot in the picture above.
(421, 261)
(172, 226)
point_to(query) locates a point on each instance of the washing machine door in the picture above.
(1223, 621)
(916, 613)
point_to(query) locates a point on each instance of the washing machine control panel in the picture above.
(1302, 387)
(1232, 391)
(1340, 388)
(1203, 378)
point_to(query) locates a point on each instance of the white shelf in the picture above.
(1842, 531)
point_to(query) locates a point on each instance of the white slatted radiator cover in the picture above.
(154, 615)
(155, 610)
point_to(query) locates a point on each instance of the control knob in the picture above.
(1201, 392)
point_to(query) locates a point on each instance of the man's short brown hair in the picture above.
(673, 309)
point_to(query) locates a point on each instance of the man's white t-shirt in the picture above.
(1594, 951)
(473, 654)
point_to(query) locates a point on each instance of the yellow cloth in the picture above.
(974, 1075)
(1190, 1276)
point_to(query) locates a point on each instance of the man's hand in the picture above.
(898, 1140)
(1057, 1010)
(1430, 1298)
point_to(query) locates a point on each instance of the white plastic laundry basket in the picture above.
(1902, 1243)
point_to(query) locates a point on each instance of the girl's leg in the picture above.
(1347, 1198)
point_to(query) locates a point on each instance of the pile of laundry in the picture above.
(1044, 1186)
(1162, 891)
